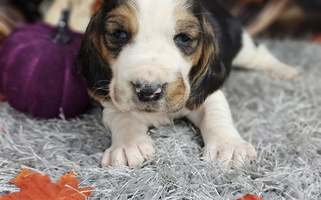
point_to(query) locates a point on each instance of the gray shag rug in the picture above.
(282, 119)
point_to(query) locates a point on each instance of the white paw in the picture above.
(284, 72)
(229, 151)
(132, 153)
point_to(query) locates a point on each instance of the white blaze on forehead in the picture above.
(156, 18)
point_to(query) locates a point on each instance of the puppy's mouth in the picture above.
(154, 107)
(151, 107)
(160, 106)
(151, 97)
(149, 110)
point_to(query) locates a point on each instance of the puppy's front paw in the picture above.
(229, 151)
(132, 153)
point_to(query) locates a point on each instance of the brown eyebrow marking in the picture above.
(125, 17)
(190, 26)
(121, 18)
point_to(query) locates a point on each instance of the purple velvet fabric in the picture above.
(40, 77)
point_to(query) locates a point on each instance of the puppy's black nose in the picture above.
(148, 91)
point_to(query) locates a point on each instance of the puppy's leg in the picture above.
(130, 143)
(222, 140)
(258, 57)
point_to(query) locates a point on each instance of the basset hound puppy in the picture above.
(151, 61)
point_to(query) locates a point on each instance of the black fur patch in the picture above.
(90, 62)
(228, 30)
(228, 33)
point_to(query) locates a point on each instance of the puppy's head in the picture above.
(151, 55)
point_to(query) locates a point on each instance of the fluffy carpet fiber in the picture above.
(282, 119)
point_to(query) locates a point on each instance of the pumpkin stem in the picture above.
(62, 35)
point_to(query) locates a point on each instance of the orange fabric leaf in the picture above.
(2, 97)
(317, 38)
(35, 186)
(250, 197)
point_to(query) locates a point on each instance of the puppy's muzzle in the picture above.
(147, 91)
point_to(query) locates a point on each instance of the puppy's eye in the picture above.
(182, 38)
(120, 34)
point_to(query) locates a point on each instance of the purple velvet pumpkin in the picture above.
(38, 74)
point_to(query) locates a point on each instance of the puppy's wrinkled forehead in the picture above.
(149, 15)
(161, 14)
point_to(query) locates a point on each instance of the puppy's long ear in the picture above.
(210, 72)
(92, 59)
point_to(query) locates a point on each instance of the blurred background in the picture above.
(279, 18)
(298, 19)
